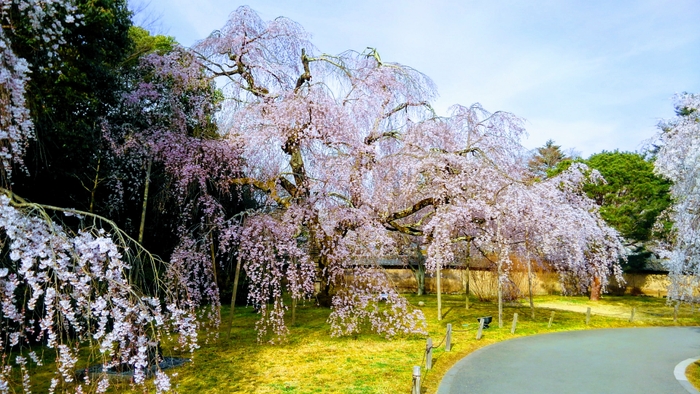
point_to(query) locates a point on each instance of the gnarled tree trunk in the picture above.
(596, 289)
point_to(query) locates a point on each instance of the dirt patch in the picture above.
(621, 312)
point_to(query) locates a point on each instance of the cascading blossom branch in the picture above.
(678, 159)
(274, 262)
(70, 291)
(46, 22)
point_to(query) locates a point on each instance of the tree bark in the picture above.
(420, 278)
(596, 289)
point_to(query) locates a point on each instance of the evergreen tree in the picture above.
(545, 159)
(68, 100)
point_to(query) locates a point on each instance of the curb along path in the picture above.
(624, 360)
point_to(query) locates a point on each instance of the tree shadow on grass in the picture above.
(444, 315)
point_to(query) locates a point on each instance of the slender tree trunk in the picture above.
(596, 289)
(213, 256)
(500, 295)
(466, 282)
(529, 278)
(529, 287)
(95, 182)
(316, 245)
(145, 201)
(439, 293)
(500, 273)
(419, 272)
(233, 296)
(213, 266)
(420, 278)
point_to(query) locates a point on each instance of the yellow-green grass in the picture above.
(311, 361)
(692, 372)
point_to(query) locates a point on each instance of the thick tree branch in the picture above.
(269, 187)
(411, 210)
(306, 76)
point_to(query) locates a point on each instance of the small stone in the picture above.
(421, 303)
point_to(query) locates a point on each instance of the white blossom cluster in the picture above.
(678, 159)
(46, 20)
(68, 291)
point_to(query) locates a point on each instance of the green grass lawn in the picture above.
(311, 361)
(692, 372)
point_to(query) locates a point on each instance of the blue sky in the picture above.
(591, 75)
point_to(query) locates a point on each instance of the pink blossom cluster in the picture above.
(274, 262)
(175, 104)
(350, 146)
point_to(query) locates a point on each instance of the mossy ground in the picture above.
(311, 361)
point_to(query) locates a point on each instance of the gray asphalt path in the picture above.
(624, 360)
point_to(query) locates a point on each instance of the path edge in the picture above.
(679, 373)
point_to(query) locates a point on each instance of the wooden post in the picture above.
(448, 338)
(515, 323)
(551, 319)
(675, 313)
(588, 315)
(429, 354)
(416, 380)
(632, 314)
(481, 328)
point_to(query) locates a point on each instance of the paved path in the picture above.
(624, 360)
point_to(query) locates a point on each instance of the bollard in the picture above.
(448, 338)
(515, 322)
(429, 354)
(551, 319)
(416, 380)
(588, 315)
(632, 315)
